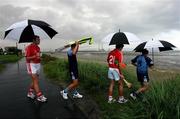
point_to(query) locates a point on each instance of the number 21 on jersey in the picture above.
(111, 59)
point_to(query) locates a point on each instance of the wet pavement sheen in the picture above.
(14, 83)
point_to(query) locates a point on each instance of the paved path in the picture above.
(14, 104)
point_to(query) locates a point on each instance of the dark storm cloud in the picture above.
(9, 15)
(140, 17)
(77, 18)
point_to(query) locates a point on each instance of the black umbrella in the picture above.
(24, 31)
(154, 45)
(165, 48)
(120, 38)
(158, 45)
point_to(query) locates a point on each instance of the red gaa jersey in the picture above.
(32, 50)
(114, 58)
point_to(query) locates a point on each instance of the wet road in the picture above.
(14, 104)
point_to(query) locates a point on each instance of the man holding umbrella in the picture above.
(142, 62)
(115, 59)
(33, 67)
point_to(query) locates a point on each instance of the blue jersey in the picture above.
(72, 61)
(142, 63)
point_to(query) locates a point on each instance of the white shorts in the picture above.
(113, 74)
(33, 68)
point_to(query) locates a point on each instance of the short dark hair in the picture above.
(119, 46)
(145, 51)
(35, 36)
(73, 45)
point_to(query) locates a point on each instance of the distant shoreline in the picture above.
(162, 60)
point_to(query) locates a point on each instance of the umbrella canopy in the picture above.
(24, 31)
(158, 45)
(81, 41)
(120, 38)
(154, 45)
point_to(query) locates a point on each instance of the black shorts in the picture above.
(74, 74)
(143, 77)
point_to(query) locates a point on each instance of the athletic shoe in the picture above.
(42, 98)
(31, 95)
(133, 96)
(77, 95)
(122, 100)
(111, 100)
(64, 95)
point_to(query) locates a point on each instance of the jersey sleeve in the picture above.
(69, 52)
(134, 60)
(119, 57)
(28, 51)
(149, 62)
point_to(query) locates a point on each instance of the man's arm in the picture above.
(151, 63)
(133, 61)
(31, 57)
(75, 50)
(120, 68)
(31, 54)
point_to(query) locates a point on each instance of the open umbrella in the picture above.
(158, 45)
(120, 38)
(154, 45)
(24, 31)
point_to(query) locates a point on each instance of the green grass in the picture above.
(160, 102)
(7, 59)
(163, 99)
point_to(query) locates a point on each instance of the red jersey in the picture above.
(114, 58)
(32, 50)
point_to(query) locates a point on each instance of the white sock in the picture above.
(121, 97)
(110, 97)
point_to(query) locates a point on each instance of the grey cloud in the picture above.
(76, 18)
(9, 15)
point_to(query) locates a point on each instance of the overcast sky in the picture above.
(73, 19)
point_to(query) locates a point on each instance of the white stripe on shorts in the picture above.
(33, 68)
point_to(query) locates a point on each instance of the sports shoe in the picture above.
(111, 100)
(133, 96)
(42, 98)
(122, 100)
(77, 95)
(64, 95)
(31, 95)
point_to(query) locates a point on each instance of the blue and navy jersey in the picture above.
(72, 61)
(142, 63)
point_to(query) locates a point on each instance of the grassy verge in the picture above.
(161, 101)
(7, 59)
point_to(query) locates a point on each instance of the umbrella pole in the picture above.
(153, 55)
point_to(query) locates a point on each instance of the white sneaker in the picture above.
(31, 95)
(111, 100)
(42, 98)
(64, 95)
(133, 96)
(77, 95)
(122, 100)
